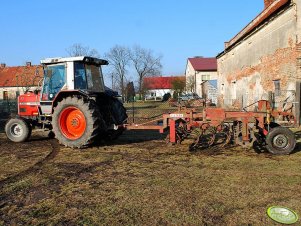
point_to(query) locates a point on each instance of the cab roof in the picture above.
(85, 59)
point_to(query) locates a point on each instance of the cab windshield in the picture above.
(88, 76)
(54, 80)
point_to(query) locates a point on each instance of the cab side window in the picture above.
(80, 81)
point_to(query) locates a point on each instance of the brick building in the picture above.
(264, 57)
(17, 80)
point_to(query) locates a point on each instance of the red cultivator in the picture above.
(217, 126)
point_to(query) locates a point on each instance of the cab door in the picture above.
(54, 81)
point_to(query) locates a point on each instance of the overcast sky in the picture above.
(34, 29)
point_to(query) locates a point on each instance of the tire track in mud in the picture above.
(55, 147)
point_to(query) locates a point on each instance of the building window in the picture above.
(5, 95)
(205, 77)
(234, 97)
(277, 87)
(17, 94)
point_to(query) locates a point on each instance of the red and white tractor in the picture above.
(73, 103)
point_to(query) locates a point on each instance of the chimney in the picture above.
(267, 3)
(3, 65)
(226, 44)
(28, 64)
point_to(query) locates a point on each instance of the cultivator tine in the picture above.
(205, 137)
(228, 139)
(211, 131)
(224, 130)
(181, 133)
(208, 136)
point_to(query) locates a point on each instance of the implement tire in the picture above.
(76, 122)
(280, 141)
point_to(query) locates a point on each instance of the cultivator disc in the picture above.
(224, 135)
(207, 136)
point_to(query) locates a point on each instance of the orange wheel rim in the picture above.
(72, 123)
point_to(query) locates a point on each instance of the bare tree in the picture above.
(190, 83)
(78, 49)
(145, 64)
(119, 59)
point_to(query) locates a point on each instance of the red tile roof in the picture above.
(203, 64)
(160, 82)
(270, 9)
(20, 76)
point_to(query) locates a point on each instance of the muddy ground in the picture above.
(139, 180)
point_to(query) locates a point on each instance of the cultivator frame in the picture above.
(217, 126)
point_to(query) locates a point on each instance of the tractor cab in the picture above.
(72, 73)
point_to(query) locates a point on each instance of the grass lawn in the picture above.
(141, 181)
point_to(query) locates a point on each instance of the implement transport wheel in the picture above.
(76, 122)
(280, 141)
(17, 130)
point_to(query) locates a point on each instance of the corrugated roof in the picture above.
(20, 76)
(203, 64)
(161, 82)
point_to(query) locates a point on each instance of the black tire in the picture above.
(93, 120)
(120, 117)
(280, 141)
(17, 130)
(118, 111)
(271, 126)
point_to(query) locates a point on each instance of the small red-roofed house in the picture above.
(156, 87)
(19, 79)
(201, 77)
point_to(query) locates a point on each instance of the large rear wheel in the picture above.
(17, 130)
(76, 122)
(280, 141)
(120, 117)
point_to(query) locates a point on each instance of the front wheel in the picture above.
(17, 130)
(280, 141)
